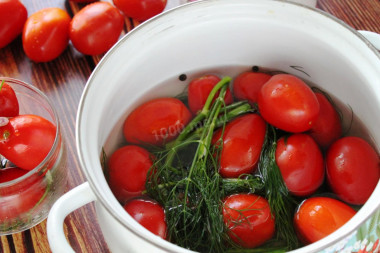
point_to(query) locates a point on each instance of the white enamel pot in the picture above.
(224, 37)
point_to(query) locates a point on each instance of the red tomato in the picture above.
(156, 121)
(83, 1)
(96, 28)
(301, 163)
(249, 219)
(318, 217)
(13, 16)
(242, 143)
(140, 10)
(353, 169)
(149, 214)
(328, 127)
(287, 103)
(46, 34)
(9, 106)
(26, 140)
(200, 88)
(247, 85)
(18, 198)
(127, 171)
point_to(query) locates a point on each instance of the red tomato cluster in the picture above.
(92, 31)
(311, 155)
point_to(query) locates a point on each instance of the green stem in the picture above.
(1, 85)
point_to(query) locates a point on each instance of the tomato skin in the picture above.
(9, 106)
(83, 1)
(156, 121)
(328, 127)
(249, 219)
(128, 167)
(140, 10)
(353, 169)
(301, 163)
(96, 28)
(13, 16)
(149, 214)
(317, 217)
(26, 140)
(46, 34)
(287, 103)
(247, 85)
(200, 88)
(242, 143)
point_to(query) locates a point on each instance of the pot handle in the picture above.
(72, 200)
(372, 37)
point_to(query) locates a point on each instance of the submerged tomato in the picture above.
(247, 85)
(96, 28)
(318, 217)
(9, 106)
(46, 34)
(353, 169)
(128, 167)
(140, 10)
(301, 163)
(249, 219)
(13, 16)
(242, 143)
(156, 121)
(149, 214)
(26, 140)
(199, 90)
(287, 103)
(328, 127)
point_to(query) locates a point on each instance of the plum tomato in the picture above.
(19, 197)
(26, 140)
(300, 161)
(199, 90)
(9, 106)
(13, 16)
(353, 169)
(96, 28)
(156, 121)
(317, 217)
(288, 103)
(46, 34)
(243, 139)
(247, 85)
(128, 167)
(140, 10)
(249, 219)
(328, 127)
(149, 214)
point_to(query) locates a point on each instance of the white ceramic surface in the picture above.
(224, 37)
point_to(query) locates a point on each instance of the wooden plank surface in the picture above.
(63, 81)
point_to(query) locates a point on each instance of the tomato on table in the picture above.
(26, 140)
(353, 169)
(156, 122)
(199, 90)
(13, 16)
(249, 219)
(149, 214)
(96, 28)
(46, 34)
(247, 85)
(301, 163)
(288, 103)
(128, 167)
(317, 217)
(9, 106)
(243, 139)
(140, 10)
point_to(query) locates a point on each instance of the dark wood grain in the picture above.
(63, 80)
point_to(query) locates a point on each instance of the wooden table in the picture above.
(63, 80)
